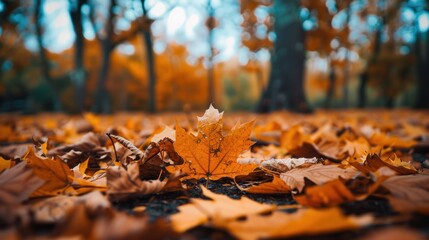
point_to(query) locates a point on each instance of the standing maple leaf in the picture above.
(210, 154)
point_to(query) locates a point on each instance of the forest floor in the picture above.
(344, 174)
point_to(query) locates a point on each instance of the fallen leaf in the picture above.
(17, 184)
(54, 209)
(88, 146)
(303, 222)
(220, 208)
(395, 233)
(57, 175)
(4, 164)
(357, 147)
(317, 173)
(337, 192)
(286, 164)
(408, 193)
(13, 151)
(385, 157)
(123, 184)
(293, 138)
(167, 132)
(384, 139)
(210, 154)
(277, 186)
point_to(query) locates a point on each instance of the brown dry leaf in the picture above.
(54, 209)
(57, 175)
(338, 191)
(13, 151)
(17, 184)
(303, 222)
(221, 208)
(88, 146)
(83, 221)
(384, 157)
(409, 193)
(123, 184)
(210, 154)
(317, 173)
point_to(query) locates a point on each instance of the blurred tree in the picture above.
(286, 85)
(78, 75)
(422, 52)
(148, 44)
(328, 41)
(44, 61)
(251, 36)
(109, 39)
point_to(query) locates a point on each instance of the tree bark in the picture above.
(103, 104)
(148, 44)
(78, 75)
(38, 14)
(286, 86)
(422, 52)
(331, 87)
(347, 63)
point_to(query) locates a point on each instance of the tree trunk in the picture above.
(286, 86)
(78, 75)
(363, 82)
(422, 49)
(148, 44)
(331, 87)
(38, 14)
(102, 104)
(210, 67)
(347, 63)
(364, 77)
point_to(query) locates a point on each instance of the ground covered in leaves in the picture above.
(331, 174)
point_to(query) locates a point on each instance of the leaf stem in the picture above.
(114, 148)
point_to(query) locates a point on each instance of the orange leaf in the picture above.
(56, 173)
(277, 186)
(304, 222)
(210, 154)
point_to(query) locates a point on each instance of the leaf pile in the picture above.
(75, 175)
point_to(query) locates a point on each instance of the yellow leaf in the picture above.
(210, 154)
(4, 164)
(304, 222)
(222, 208)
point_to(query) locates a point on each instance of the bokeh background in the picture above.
(168, 55)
